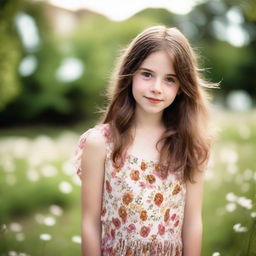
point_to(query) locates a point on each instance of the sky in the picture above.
(118, 10)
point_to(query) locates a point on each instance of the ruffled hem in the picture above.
(140, 248)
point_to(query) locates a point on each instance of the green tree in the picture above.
(10, 53)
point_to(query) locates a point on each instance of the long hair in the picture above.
(187, 139)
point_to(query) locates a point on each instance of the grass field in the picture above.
(40, 192)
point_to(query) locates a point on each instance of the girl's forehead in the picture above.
(158, 61)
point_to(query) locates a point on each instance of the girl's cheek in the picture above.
(136, 80)
(138, 84)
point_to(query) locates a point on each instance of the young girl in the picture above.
(142, 166)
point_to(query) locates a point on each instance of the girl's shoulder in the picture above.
(99, 130)
(99, 135)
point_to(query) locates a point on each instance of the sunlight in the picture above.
(28, 65)
(123, 9)
(70, 70)
(28, 31)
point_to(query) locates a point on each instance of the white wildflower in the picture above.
(34, 160)
(8, 165)
(49, 171)
(12, 253)
(209, 175)
(232, 168)
(45, 237)
(68, 168)
(49, 221)
(15, 227)
(56, 210)
(32, 175)
(253, 214)
(65, 187)
(239, 228)
(245, 202)
(231, 197)
(21, 147)
(230, 207)
(76, 239)
(228, 155)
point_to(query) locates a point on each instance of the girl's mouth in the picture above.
(152, 100)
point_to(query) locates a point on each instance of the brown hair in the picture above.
(187, 139)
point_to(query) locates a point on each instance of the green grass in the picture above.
(22, 199)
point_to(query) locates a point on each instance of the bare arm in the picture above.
(192, 226)
(92, 177)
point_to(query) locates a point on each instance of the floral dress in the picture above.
(142, 211)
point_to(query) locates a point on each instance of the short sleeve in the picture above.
(104, 128)
(79, 151)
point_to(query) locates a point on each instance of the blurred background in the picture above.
(56, 58)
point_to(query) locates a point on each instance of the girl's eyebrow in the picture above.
(147, 69)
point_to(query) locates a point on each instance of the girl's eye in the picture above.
(146, 74)
(170, 80)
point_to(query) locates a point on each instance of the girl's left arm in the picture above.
(192, 225)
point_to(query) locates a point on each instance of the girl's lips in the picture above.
(152, 100)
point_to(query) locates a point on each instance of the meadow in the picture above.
(40, 192)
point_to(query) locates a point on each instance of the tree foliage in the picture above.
(10, 53)
(96, 42)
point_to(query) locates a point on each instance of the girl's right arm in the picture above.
(92, 176)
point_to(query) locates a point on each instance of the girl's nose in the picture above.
(156, 86)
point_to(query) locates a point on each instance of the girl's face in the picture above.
(155, 84)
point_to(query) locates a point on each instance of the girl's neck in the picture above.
(148, 122)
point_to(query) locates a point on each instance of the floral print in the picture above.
(135, 175)
(158, 199)
(142, 208)
(143, 215)
(176, 189)
(127, 198)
